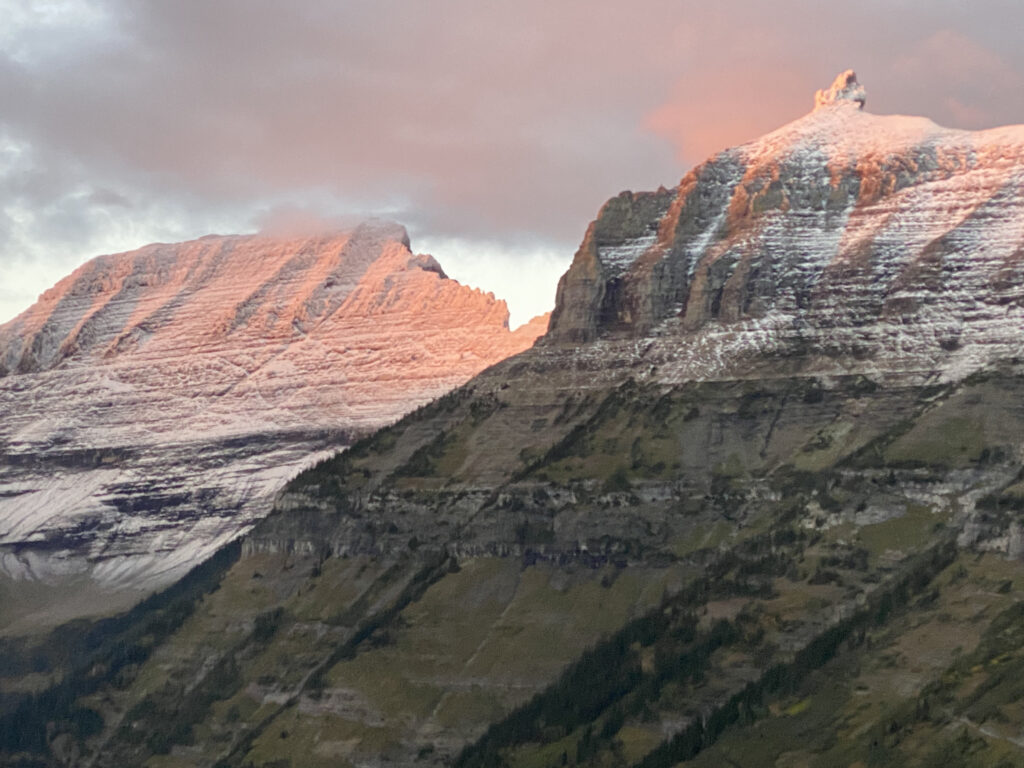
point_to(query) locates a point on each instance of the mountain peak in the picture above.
(385, 229)
(844, 88)
(838, 241)
(217, 367)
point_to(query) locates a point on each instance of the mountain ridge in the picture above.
(231, 358)
(838, 231)
(711, 518)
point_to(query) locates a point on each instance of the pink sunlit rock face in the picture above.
(152, 401)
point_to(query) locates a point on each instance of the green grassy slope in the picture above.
(749, 572)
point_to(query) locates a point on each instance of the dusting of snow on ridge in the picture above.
(152, 402)
(843, 242)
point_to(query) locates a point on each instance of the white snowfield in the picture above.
(152, 402)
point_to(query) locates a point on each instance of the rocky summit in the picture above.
(754, 499)
(843, 242)
(154, 400)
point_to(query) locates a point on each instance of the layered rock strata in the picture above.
(844, 242)
(875, 260)
(153, 400)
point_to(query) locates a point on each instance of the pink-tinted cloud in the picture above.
(977, 87)
(924, 69)
(723, 109)
(499, 121)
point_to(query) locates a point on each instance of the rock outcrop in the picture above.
(153, 400)
(844, 88)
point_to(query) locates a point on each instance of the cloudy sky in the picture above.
(492, 130)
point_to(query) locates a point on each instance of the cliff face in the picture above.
(152, 400)
(850, 240)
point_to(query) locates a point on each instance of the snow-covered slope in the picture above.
(151, 401)
(842, 242)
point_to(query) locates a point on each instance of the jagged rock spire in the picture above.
(844, 88)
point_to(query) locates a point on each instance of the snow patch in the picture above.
(619, 258)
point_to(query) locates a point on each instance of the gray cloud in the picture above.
(123, 121)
